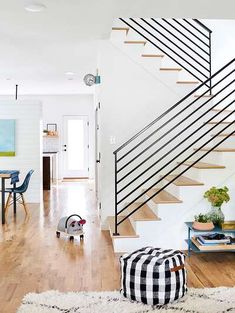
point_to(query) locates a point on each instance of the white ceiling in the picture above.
(36, 49)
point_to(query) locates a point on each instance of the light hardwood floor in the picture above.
(32, 259)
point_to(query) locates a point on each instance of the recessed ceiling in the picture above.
(37, 49)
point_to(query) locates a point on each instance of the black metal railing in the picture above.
(169, 141)
(187, 42)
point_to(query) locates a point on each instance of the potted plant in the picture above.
(202, 222)
(217, 196)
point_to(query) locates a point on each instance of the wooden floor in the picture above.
(32, 259)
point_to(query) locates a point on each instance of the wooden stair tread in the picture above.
(163, 197)
(222, 135)
(138, 42)
(171, 69)
(217, 149)
(187, 82)
(218, 122)
(183, 181)
(142, 214)
(204, 96)
(126, 29)
(125, 229)
(219, 110)
(152, 55)
(203, 165)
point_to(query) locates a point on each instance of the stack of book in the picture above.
(213, 241)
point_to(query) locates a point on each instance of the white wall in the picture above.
(130, 98)
(223, 41)
(54, 107)
(28, 116)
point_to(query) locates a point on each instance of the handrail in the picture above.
(202, 25)
(225, 92)
(193, 26)
(172, 108)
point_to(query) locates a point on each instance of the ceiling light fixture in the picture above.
(69, 73)
(35, 7)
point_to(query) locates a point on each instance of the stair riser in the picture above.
(151, 64)
(127, 244)
(134, 36)
(181, 192)
(220, 158)
(135, 50)
(228, 143)
(219, 128)
(209, 176)
(151, 49)
(118, 36)
(152, 205)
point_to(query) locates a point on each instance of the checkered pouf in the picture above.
(153, 276)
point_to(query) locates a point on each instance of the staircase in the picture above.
(162, 172)
(174, 51)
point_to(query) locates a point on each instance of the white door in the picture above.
(76, 146)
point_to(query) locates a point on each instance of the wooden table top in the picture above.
(7, 173)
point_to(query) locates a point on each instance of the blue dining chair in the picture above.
(20, 190)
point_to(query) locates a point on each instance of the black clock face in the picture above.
(89, 79)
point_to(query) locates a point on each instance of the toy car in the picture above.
(71, 226)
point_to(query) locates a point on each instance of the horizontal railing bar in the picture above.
(167, 122)
(166, 53)
(178, 31)
(207, 37)
(167, 46)
(202, 25)
(176, 177)
(171, 108)
(182, 42)
(181, 163)
(190, 32)
(166, 21)
(169, 162)
(182, 131)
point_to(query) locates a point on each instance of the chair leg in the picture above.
(8, 204)
(24, 205)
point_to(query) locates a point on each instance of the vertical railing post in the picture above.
(210, 60)
(115, 196)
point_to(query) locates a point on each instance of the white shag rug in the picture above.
(208, 300)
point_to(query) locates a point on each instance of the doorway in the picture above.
(76, 146)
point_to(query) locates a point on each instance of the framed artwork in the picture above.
(7, 138)
(52, 127)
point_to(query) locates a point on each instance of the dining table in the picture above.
(13, 175)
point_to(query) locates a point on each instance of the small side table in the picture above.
(217, 229)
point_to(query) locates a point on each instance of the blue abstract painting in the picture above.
(7, 138)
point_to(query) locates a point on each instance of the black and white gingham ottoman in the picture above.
(153, 276)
